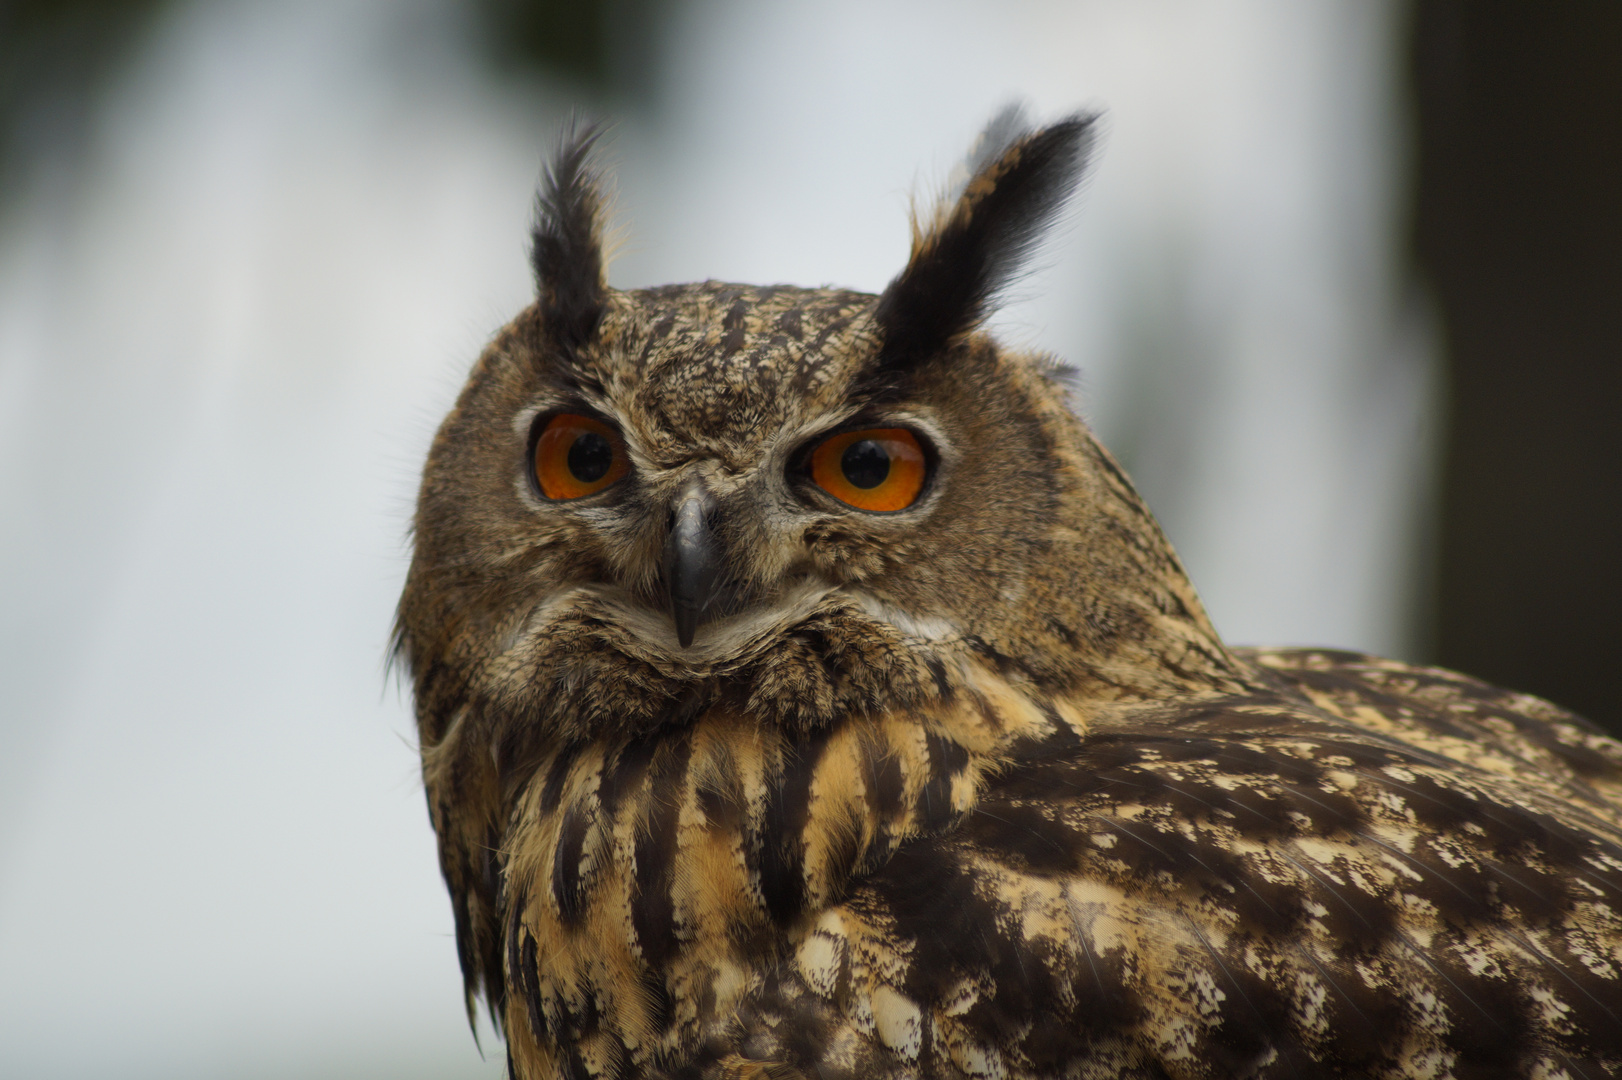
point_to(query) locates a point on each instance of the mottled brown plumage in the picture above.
(966, 789)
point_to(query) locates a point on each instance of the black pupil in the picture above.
(865, 464)
(590, 457)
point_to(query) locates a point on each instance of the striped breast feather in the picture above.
(651, 885)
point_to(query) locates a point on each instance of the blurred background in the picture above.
(1345, 289)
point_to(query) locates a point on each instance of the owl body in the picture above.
(803, 691)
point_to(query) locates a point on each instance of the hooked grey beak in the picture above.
(694, 569)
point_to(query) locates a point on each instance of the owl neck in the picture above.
(1107, 612)
(1161, 644)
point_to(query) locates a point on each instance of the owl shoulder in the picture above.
(1358, 862)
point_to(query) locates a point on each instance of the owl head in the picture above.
(801, 503)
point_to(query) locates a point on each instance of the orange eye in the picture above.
(877, 469)
(577, 456)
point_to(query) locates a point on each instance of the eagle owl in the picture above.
(804, 692)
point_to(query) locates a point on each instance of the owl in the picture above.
(804, 692)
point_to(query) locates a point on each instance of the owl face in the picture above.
(724, 478)
(798, 503)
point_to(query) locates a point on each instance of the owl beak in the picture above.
(693, 567)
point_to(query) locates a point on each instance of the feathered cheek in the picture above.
(845, 556)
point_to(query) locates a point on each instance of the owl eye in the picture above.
(577, 456)
(875, 469)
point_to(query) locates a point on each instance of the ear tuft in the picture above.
(974, 243)
(566, 241)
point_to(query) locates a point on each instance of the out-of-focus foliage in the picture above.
(604, 45)
(54, 57)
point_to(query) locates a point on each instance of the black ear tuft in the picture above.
(566, 242)
(974, 244)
